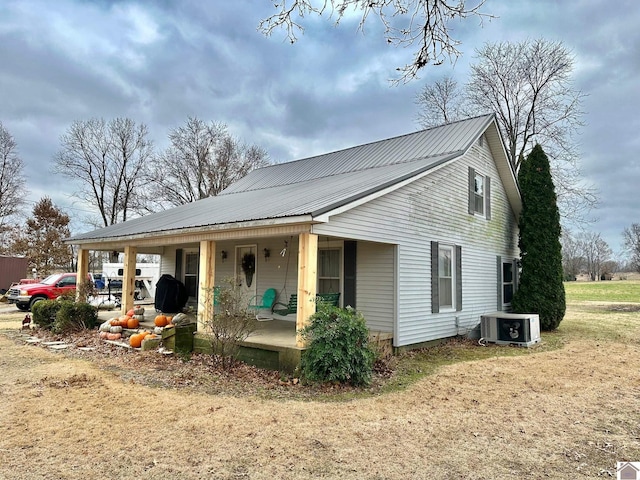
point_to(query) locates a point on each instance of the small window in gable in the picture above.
(479, 194)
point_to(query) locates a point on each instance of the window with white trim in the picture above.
(479, 194)
(446, 280)
(328, 270)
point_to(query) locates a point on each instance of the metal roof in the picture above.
(310, 186)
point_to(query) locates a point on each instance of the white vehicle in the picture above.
(147, 275)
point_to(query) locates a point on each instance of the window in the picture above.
(329, 270)
(507, 283)
(191, 264)
(479, 194)
(507, 276)
(445, 277)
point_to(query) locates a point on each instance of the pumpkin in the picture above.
(114, 336)
(160, 321)
(180, 319)
(103, 334)
(136, 340)
(138, 310)
(133, 323)
(140, 318)
(130, 313)
(116, 329)
(144, 333)
(104, 327)
(158, 330)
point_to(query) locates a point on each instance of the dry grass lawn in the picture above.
(567, 409)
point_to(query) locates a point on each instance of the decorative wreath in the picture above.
(249, 263)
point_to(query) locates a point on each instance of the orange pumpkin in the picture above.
(103, 335)
(160, 321)
(133, 323)
(130, 313)
(136, 340)
(114, 336)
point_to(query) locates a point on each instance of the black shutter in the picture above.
(458, 278)
(499, 282)
(179, 263)
(487, 198)
(472, 191)
(516, 275)
(349, 297)
(435, 296)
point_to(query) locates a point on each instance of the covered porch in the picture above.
(290, 259)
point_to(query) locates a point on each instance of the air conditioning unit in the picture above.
(522, 329)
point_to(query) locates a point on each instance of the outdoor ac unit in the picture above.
(522, 329)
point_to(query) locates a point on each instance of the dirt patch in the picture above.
(567, 413)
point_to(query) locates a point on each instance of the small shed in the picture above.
(12, 269)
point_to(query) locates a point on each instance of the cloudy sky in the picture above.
(159, 62)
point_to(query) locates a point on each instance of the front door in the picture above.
(246, 269)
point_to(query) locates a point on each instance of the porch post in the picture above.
(206, 281)
(307, 266)
(128, 278)
(82, 272)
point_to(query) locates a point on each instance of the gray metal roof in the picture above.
(311, 186)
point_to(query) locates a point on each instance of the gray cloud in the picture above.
(160, 62)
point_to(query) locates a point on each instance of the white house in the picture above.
(418, 232)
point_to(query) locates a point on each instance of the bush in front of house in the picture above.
(62, 316)
(44, 313)
(75, 316)
(230, 322)
(339, 348)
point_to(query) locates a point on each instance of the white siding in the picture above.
(375, 290)
(435, 208)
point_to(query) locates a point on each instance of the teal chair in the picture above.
(263, 302)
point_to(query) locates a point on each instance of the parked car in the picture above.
(26, 296)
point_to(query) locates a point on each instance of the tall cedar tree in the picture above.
(541, 289)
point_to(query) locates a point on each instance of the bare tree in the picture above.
(528, 85)
(109, 160)
(42, 237)
(12, 183)
(631, 236)
(572, 259)
(595, 252)
(424, 23)
(440, 103)
(202, 160)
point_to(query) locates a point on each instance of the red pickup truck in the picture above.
(26, 296)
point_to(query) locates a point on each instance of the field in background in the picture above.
(565, 409)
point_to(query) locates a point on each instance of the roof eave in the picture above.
(182, 232)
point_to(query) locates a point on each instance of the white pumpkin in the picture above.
(117, 329)
(104, 327)
(138, 310)
(180, 319)
(158, 330)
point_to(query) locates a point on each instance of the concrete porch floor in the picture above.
(279, 333)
